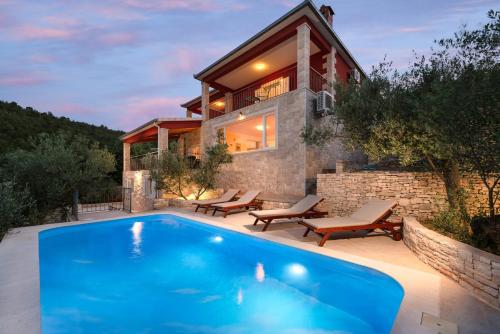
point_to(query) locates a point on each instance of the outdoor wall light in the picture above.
(241, 116)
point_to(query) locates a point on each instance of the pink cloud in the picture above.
(35, 32)
(23, 79)
(62, 21)
(193, 5)
(118, 38)
(412, 29)
(42, 58)
(142, 110)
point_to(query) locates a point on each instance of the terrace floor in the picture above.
(426, 290)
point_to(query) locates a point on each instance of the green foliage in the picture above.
(19, 125)
(475, 232)
(444, 109)
(55, 167)
(177, 174)
(17, 208)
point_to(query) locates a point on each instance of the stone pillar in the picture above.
(205, 101)
(189, 113)
(303, 55)
(340, 166)
(126, 157)
(331, 71)
(228, 102)
(162, 140)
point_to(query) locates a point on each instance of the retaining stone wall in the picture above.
(474, 269)
(421, 195)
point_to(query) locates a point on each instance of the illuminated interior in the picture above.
(249, 135)
(273, 88)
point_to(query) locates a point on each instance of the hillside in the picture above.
(19, 124)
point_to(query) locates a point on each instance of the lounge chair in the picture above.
(302, 209)
(226, 197)
(247, 201)
(370, 216)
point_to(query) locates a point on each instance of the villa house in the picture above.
(258, 98)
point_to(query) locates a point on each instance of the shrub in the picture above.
(177, 174)
(17, 208)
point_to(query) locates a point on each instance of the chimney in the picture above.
(328, 13)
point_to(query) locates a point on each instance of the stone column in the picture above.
(126, 157)
(162, 140)
(303, 55)
(331, 71)
(205, 101)
(228, 102)
(189, 113)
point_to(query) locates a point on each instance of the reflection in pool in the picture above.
(166, 274)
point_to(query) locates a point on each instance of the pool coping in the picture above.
(20, 309)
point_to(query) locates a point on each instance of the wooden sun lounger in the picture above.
(247, 201)
(226, 197)
(302, 209)
(373, 215)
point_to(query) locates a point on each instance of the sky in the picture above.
(121, 63)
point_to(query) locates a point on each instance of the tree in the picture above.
(443, 109)
(177, 174)
(17, 208)
(56, 167)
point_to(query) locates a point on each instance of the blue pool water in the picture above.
(166, 274)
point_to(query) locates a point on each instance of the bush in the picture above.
(177, 174)
(17, 208)
(477, 232)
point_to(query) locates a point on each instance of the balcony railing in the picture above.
(316, 80)
(278, 83)
(140, 162)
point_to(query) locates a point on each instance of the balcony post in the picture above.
(303, 55)
(205, 101)
(126, 157)
(331, 71)
(162, 140)
(228, 102)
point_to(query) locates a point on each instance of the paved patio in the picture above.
(425, 289)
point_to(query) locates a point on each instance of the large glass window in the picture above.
(252, 134)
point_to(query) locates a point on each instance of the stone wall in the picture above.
(290, 168)
(143, 193)
(280, 170)
(418, 194)
(475, 270)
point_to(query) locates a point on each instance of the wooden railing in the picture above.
(316, 80)
(278, 83)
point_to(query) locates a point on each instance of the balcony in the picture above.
(278, 83)
(140, 162)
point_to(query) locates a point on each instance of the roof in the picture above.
(305, 4)
(158, 121)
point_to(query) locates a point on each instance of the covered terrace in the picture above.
(162, 131)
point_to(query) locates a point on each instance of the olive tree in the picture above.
(444, 110)
(177, 174)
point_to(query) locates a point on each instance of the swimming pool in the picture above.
(167, 274)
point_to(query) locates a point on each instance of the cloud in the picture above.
(41, 58)
(192, 5)
(139, 110)
(20, 79)
(37, 32)
(118, 38)
(412, 29)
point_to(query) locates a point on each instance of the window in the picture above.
(250, 135)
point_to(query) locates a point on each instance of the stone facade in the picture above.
(143, 193)
(418, 194)
(291, 167)
(475, 270)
